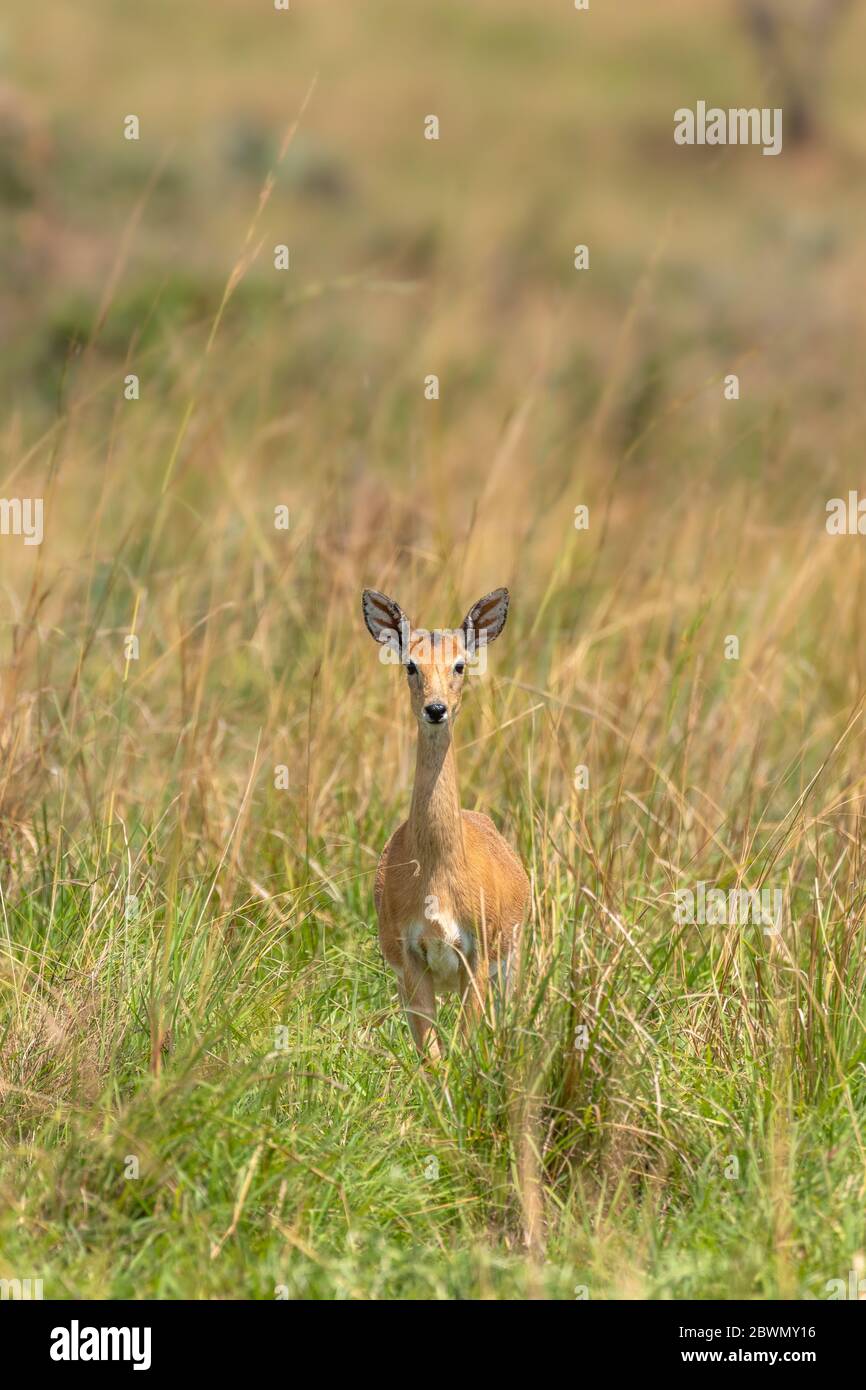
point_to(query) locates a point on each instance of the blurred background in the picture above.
(411, 257)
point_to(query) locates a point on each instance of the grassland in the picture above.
(189, 976)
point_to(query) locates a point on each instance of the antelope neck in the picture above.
(435, 820)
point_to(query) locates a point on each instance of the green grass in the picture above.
(324, 1160)
(167, 910)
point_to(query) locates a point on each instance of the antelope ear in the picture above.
(385, 619)
(486, 617)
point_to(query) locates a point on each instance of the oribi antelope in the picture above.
(451, 894)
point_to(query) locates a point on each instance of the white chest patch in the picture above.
(444, 946)
(443, 962)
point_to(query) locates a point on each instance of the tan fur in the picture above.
(494, 877)
(451, 895)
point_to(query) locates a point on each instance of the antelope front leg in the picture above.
(419, 1001)
(473, 995)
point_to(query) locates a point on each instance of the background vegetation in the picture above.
(165, 908)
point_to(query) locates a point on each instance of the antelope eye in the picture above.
(459, 667)
(411, 668)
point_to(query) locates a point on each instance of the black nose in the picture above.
(436, 712)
